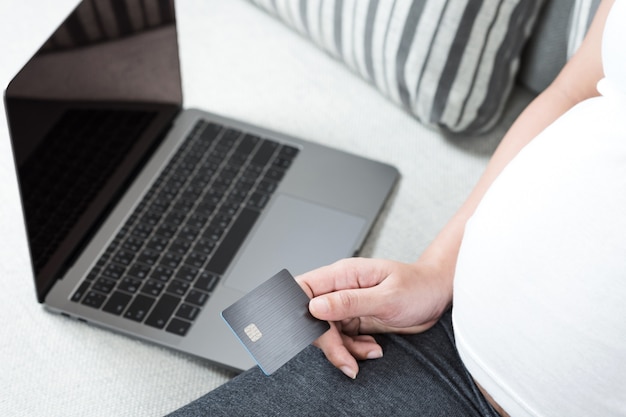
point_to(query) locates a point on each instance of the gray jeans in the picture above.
(419, 375)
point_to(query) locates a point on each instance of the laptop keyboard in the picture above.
(166, 260)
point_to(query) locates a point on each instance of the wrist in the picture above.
(440, 258)
(437, 270)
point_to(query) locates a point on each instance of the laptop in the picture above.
(149, 219)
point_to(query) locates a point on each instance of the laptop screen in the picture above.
(84, 114)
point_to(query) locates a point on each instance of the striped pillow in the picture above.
(450, 63)
(583, 12)
(560, 29)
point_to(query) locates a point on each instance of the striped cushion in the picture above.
(560, 29)
(450, 63)
(583, 12)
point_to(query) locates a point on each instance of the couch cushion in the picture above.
(451, 64)
(561, 26)
(582, 15)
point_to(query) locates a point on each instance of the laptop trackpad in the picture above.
(297, 235)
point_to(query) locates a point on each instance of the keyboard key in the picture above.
(93, 274)
(133, 244)
(274, 174)
(204, 245)
(198, 220)
(142, 230)
(153, 288)
(178, 327)
(123, 257)
(230, 206)
(258, 201)
(282, 163)
(241, 189)
(184, 205)
(180, 246)
(188, 233)
(114, 271)
(264, 153)
(167, 230)
(213, 233)
(117, 303)
(129, 284)
(221, 220)
(267, 187)
(230, 136)
(153, 217)
(167, 195)
(232, 241)
(104, 285)
(207, 281)
(177, 287)
(157, 243)
(176, 218)
(82, 289)
(247, 144)
(196, 259)
(94, 299)
(171, 259)
(187, 273)
(101, 262)
(188, 312)
(288, 152)
(196, 297)
(139, 271)
(162, 311)
(149, 257)
(162, 273)
(139, 307)
(210, 131)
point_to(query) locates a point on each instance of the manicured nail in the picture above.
(348, 371)
(375, 354)
(319, 306)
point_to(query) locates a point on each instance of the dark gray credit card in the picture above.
(273, 321)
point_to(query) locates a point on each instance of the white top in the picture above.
(540, 288)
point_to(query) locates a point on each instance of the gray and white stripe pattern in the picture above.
(583, 12)
(451, 63)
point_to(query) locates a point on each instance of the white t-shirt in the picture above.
(540, 287)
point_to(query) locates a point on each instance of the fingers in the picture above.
(345, 274)
(348, 304)
(362, 347)
(341, 293)
(331, 343)
(343, 351)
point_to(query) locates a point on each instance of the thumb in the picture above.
(345, 304)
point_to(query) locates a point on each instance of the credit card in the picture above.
(273, 321)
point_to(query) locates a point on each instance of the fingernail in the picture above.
(319, 306)
(375, 354)
(348, 371)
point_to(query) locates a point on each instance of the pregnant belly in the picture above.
(539, 287)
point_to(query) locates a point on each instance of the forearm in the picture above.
(547, 107)
(576, 82)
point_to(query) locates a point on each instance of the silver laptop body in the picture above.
(84, 257)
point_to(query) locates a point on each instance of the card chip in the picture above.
(253, 332)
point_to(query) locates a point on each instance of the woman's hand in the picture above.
(361, 296)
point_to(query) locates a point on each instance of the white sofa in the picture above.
(240, 62)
